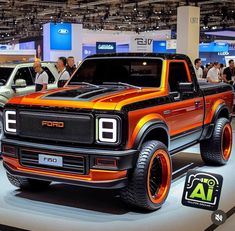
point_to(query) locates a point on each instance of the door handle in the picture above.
(197, 102)
(167, 112)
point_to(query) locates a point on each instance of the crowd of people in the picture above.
(65, 67)
(215, 72)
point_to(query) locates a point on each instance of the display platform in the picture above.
(66, 207)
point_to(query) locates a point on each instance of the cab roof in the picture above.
(142, 55)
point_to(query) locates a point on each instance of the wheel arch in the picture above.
(153, 130)
(221, 111)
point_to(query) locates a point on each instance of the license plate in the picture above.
(56, 161)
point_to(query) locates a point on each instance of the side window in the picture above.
(177, 74)
(51, 78)
(24, 73)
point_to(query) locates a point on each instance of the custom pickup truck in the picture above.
(115, 125)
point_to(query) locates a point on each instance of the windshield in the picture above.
(137, 72)
(5, 73)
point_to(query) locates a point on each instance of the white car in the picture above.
(18, 79)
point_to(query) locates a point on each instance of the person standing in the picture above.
(71, 67)
(229, 72)
(221, 71)
(198, 69)
(63, 73)
(41, 79)
(213, 73)
(205, 71)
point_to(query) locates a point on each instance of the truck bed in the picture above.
(214, 88)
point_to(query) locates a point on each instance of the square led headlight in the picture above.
(9, 120)
(108, 130)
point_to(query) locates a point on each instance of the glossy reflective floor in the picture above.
(65, 207)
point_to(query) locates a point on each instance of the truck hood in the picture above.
(88, 97)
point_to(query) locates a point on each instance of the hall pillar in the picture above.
(188, 31)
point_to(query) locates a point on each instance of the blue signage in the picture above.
(160, 47)
(3, 47)
(213, 47)
(27, 45)
(61, 36)
(88, 50)
(105, 47)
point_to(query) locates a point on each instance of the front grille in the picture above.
(75, 128)
(73, 164)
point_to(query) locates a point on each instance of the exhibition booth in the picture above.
(65, 39)
(130, 140)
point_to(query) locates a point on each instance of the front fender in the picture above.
(143, 126)
(212, 111)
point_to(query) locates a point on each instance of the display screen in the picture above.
(138, 72)
(213, 47)
(61, 36)
(105, 47)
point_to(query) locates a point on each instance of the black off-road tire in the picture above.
(217, 149)
(28, 184)
(153, 171)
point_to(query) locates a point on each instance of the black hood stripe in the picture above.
(81, 94)
(95, 93)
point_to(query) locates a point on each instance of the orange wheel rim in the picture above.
(159, 176)
(227, 141)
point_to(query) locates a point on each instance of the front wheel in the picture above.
(217, 149)
(27, 183)
(150, 182)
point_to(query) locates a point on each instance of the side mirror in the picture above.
(175, 95)
(186, 88)
(19, 83)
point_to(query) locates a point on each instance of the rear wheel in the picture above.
(150, 182)
(217, 149)
(28, 184)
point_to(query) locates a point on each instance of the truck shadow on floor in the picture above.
(104, 201)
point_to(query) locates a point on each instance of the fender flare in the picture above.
(217, 112)
(147, 128)
(209, 131)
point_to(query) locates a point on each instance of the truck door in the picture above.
(185, 115)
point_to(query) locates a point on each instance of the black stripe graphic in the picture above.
(80, 93)
(10, 228)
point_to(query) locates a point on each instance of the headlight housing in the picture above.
(10, 121)
(108, 130)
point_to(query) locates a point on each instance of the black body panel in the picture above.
(84, 93)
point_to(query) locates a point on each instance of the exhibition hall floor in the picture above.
(65, 207)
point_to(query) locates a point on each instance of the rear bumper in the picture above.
(107, 177)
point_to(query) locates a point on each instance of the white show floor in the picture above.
(67, 208)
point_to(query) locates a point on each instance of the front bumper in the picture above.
(108, 177)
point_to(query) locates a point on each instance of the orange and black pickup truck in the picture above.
(115, 125)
